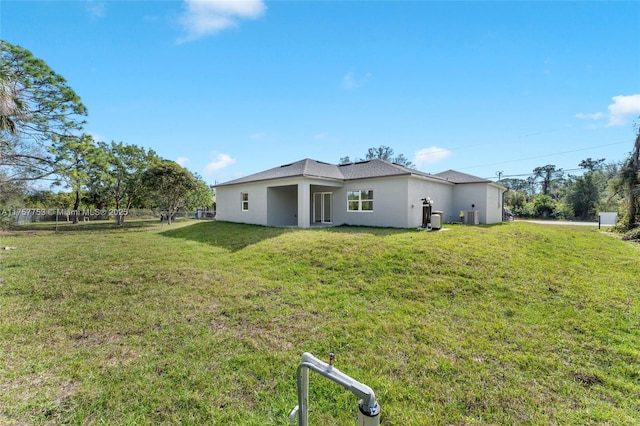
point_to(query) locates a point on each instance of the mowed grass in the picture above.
(205, 323)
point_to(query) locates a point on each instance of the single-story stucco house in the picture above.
(311, 193)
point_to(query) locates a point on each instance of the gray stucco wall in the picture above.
(282, 205)
(494, 204)
(470, 196)
(271, 203)
(441, 193)
(485, 197)
(397, 201)
(229, 203)
(390, 203)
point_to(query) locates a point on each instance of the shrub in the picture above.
(562, 211)
(6, 219)
(544, 205)
(633, 235)
(526, 210)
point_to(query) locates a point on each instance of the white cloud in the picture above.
(182, 161)
(623, 107)
(97, 9)
(257, 136)
(348, 82)
(207, 17)
(320, 136)
(351, 81)
(547, 63)
(220, 162)
(620, 110)
(150, 18)
(590, 115)
(97, 136)
(431, 155)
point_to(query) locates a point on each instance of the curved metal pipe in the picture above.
(368, 404)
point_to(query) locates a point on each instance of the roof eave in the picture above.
(281, 178)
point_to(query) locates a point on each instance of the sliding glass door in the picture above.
(322, 207)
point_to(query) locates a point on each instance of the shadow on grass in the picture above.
(236, 236)
(226, 235)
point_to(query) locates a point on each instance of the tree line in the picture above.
(42, 140)
(549, 192)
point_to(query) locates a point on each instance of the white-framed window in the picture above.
(360, 200)
(244, 197)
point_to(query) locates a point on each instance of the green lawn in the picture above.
(205, 323)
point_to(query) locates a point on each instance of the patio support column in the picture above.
(304, 201)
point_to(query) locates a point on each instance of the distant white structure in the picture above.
(607, 218)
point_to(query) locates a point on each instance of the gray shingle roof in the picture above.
(306, 167)
(459, 177)
(352, 171)
(374, 168)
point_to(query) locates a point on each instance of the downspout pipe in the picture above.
(368, 406)
(502, 202)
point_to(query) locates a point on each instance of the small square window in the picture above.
(360, 200)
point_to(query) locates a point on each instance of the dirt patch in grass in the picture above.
(586, 379)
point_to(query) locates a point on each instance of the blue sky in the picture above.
(230, 88)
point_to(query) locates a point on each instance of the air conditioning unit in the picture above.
(472, 217)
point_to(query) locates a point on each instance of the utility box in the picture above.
(472, 217)
(436, 221)
(439, 221)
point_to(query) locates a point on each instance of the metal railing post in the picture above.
(368, 408)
